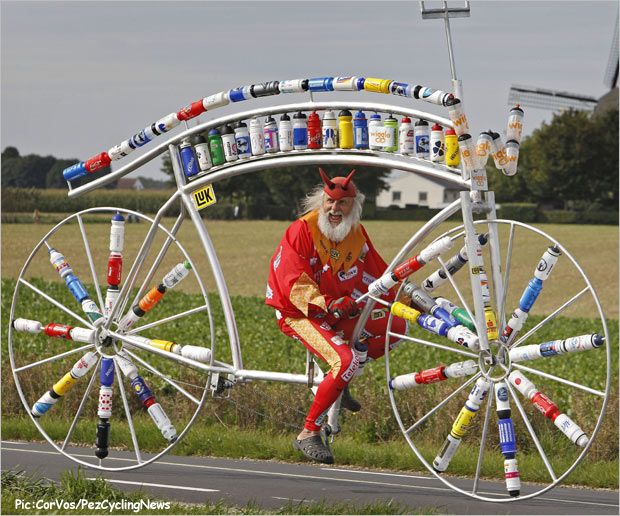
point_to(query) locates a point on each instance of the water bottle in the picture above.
(217, 149)
(270, 132)
(360, 131)
(314, 131)
(391, 130)
(375, 127)
(257, 141)
(330, 130)
(242, 137)
(422, 139)
(345, 129)
(405, 136)
(285, 133)
(300, 131)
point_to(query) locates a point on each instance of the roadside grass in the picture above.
(75, 489)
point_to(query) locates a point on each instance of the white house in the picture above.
(409, 189)
(128, 183)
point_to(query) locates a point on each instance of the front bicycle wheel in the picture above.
(119, 367)
(545, 379)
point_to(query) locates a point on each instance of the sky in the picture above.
(80, 77)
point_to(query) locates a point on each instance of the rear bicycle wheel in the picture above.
(136, 343)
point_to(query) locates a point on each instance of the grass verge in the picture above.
(73, 490)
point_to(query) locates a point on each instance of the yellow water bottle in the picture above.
(453, 157)
(345, 129)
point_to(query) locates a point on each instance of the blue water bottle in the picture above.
(300, 131)
(360, 131)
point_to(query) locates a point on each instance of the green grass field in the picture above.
(266, 414)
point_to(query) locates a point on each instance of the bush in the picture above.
(521, 211)
(57, 201)
(20, 199)
(412, 213)
(560, 217)
(579, 217)
(599, 217)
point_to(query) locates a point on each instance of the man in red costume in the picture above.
(324, 262)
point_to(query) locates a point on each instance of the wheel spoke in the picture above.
(82, 404)
(433, 345)
(160, 255)
(57, 304)
(442, 403)
(533, 435)
(483, 439)
(457, 290)
(91, 264)
(558, 379)
(170, 356)
(153, 370)
(138, 262)
(132, 430)
(550, 317)
(192, 311)
(54, 358)
(502, 305)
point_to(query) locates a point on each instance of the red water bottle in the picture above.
(314, 131)
(115, 266)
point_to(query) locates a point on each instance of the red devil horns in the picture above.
(339, 187)
(347, 179)
(326, 179)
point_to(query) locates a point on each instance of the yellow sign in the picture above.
(204, 197)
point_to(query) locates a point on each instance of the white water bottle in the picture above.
(329, 130)
(256, 137)
(405, 136)
(242, 136)
(285, 133)
(375, 126)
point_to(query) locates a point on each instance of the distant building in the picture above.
(409, 189)
(127, 183)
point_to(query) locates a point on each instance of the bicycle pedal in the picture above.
(220, 386)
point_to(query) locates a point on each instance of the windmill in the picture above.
(555, 100)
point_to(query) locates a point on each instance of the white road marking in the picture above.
(378, 473)
(293, 499)
(293, 475)
(165, 486)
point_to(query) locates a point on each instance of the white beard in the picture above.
(337, 233)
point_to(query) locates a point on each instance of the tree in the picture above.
(567, 163)
(9, 153)
(26, 171)
(54, 178)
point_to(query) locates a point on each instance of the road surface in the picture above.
(271, 484)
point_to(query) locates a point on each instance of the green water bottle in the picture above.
(217, 147)
(391, 124)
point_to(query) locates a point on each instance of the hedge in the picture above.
(418, 213)
(26, 200)
(577, 217)
(57, 201)
(521, 211)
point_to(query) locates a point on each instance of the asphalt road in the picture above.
(271, 484)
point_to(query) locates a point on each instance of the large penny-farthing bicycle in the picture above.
(482, 359)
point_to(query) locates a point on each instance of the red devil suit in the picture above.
(309, 274)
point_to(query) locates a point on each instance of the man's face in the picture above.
(336, 210)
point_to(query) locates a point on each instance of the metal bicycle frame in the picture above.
(185, 190)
